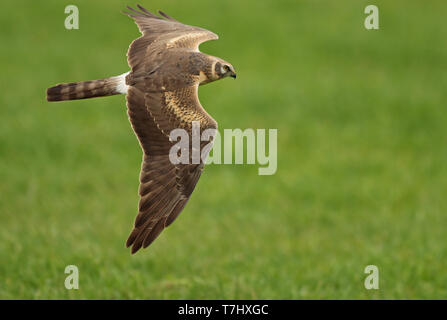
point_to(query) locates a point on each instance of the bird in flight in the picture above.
(161, 88)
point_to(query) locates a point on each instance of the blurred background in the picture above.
(362, 155)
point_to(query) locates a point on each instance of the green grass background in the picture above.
(362, 155)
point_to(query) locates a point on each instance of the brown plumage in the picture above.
(83, 89)
(162, 94)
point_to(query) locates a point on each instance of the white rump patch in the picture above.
(122, 87)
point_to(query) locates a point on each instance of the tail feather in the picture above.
(88, 89)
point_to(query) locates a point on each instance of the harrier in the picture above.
(166, 70)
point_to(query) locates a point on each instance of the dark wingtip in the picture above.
(133, 10)
(131, 242)
(166, 16)
(135, 249)
(144, 10)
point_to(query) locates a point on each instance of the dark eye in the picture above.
(226, 68)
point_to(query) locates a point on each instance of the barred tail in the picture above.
(88, 89)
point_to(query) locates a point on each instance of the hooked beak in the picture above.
(233, 75)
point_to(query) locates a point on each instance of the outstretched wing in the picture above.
(164, 187)
(160, 33)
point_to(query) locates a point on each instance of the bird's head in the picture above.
(223, 69)
(216, 69)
